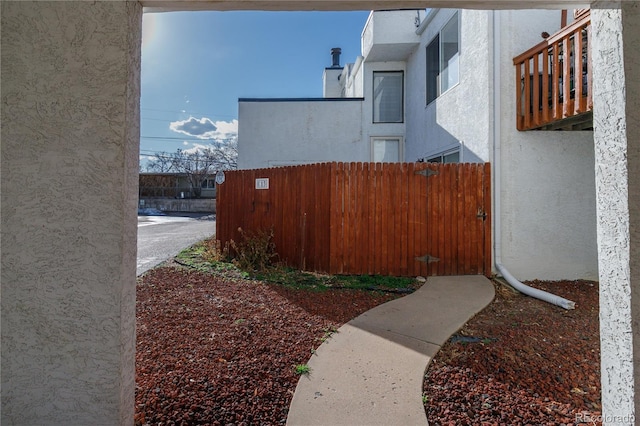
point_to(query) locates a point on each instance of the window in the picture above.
(209, 183)
(388, 97)
(443, 60)
(386, 150)
(449, 157)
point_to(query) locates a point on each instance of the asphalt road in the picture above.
(162, 237)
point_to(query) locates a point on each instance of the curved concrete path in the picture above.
(370, 372)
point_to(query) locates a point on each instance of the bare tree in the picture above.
(198, 163)
(160, 163)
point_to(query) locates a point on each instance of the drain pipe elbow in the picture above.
(534, 292)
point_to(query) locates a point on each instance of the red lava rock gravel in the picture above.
(524, 362)
(220, 351)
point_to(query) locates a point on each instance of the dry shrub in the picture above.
(213, 252)
(255, 251)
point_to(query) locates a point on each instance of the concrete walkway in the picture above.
(371, 371)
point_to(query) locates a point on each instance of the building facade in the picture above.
(440, 86)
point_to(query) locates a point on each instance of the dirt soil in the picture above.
(223, 351)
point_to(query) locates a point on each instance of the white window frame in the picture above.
(208, 182)
(400, 140)
(443, 154)
(402, 88)
(438, 35)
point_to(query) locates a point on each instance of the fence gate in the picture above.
(402, 219)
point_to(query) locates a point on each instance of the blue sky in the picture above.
(195, 66)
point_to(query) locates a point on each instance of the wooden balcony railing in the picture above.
(553, 80)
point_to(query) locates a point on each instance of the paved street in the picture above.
(162, 237)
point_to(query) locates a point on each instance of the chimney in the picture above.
(335, 56)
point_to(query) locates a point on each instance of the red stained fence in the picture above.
(400, 219)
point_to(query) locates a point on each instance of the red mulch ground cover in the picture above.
(213, 350)
(535, 363)
(222, 351)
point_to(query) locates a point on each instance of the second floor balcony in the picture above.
(390, 35)
(553, 80)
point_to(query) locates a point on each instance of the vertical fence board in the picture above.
(366, 218)
(448, 219)
(339, 206)
(334, 224)
(353, 216)
(486, 200)
(349, 204)
(404, 220)
(373, 218)
(421, 234)
(411, 218)
(363, 219)
(472, 219)
(456, 232)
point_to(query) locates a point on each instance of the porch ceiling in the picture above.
(390, 52)
(338, 5)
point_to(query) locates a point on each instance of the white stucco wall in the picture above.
(547, 177)
(390, 35)
(324, 130)
(369, 128)
(70, 134)
(547, 192)
(354, 86)
(331, 87)
(459, 118)
(60, 284)
(616, 73)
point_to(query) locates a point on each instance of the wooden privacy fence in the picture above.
(402, 219)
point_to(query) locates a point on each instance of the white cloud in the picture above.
(205, 128)
(185, 143)
(196, 147)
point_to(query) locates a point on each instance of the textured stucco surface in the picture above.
(616, 65)
(547, 185)
(547, 177)
(459, 118)
(70, 120)
(322, 131)
(390, 35)
(69, 125)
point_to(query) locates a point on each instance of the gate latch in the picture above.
(481, 214)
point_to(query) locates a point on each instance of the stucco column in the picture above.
(616, 85)
(70, 131)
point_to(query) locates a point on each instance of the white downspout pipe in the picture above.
(497, 158)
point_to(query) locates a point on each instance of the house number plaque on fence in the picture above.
(262, 183)
(220, 177)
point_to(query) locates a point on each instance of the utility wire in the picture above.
(186, 112)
